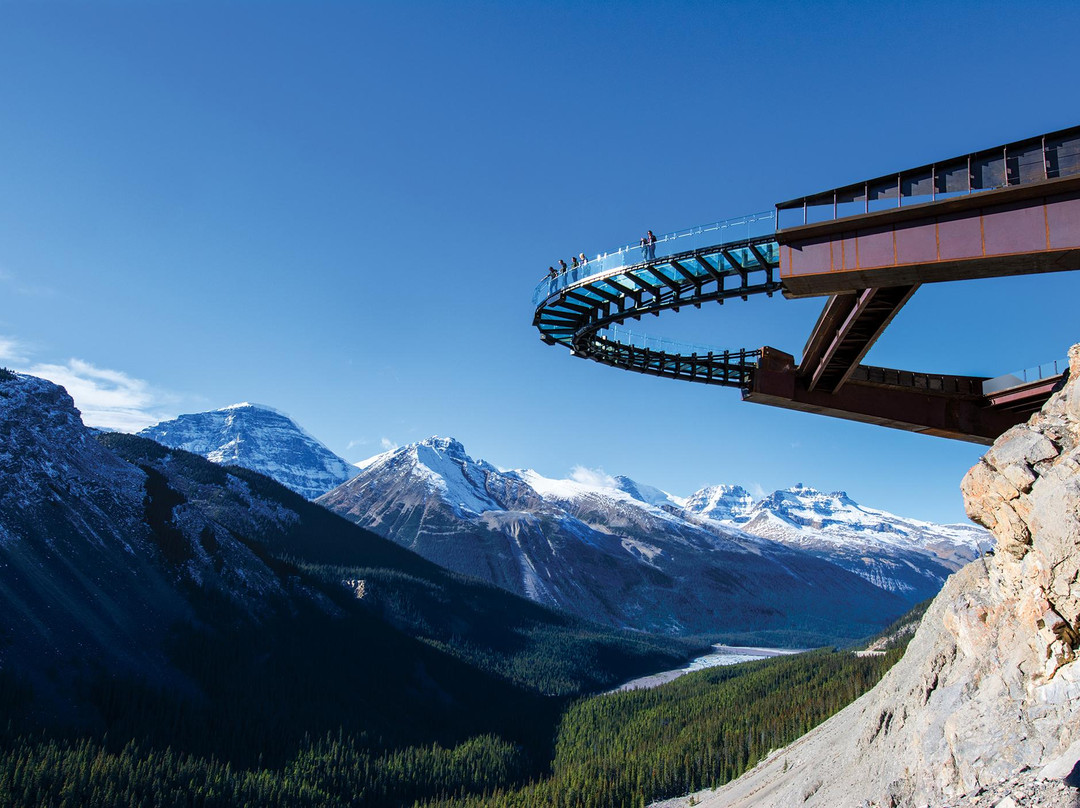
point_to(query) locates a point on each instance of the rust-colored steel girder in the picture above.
(945, 406)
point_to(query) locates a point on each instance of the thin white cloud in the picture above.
(757, 492)
(387, 444)
(356, 442)
(594, 477)
(107, 398)
(12, 351)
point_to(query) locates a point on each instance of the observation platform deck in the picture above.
(1010, 210)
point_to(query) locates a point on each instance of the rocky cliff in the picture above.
(988, 693)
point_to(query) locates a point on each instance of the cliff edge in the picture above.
(984, 708)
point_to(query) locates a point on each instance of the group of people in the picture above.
(648, 253)
(575, 263)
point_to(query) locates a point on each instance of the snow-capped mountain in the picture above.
(612, 550)
(101, 555)
(906, 556)
(724, 503)
(135, 574)
(258, 438)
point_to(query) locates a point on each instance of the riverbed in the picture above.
(721, 655)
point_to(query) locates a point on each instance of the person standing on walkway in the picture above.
(562, 265)
(652, 246)
(644, 248)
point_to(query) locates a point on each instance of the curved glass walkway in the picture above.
(583, 307)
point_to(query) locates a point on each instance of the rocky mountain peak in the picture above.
(648, 494)
(436, 452)
(248, 405)
(721, 502)
(45, 448)
(260, 438)
(451, 447)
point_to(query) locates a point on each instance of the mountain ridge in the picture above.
(614, 550)
(142, 581)
(908, 556)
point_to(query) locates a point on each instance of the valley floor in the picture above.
(722, 655)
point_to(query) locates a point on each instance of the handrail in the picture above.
(1046, 157)
(717, 234)
(624, 336)
(1047, 370)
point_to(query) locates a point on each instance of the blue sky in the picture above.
(340, 210)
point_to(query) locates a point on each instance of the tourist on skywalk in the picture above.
(552, 272)
(644, 248)
(562, 265)
(652, 246)
(584, 260)
(573, 262)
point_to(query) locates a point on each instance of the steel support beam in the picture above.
(847, 328)
(962, 417)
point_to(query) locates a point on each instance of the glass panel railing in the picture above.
(662, 344)
(1047, 370)
(717, 234)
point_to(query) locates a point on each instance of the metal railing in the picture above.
(1050, 156)
(930, 382)
(717, 234)
(1047, 370)
(658, 344)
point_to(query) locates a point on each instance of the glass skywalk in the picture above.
(583, 307)
(741, 229)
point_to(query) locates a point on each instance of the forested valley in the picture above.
(620, 749)
(179, 633)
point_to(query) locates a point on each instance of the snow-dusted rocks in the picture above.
(629, 554)
(258, 438)
(907, 556)
(724, 503)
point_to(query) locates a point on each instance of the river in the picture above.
(721, 655)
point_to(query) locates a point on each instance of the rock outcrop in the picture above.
(989, 689)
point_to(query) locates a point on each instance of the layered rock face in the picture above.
(990, 685)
